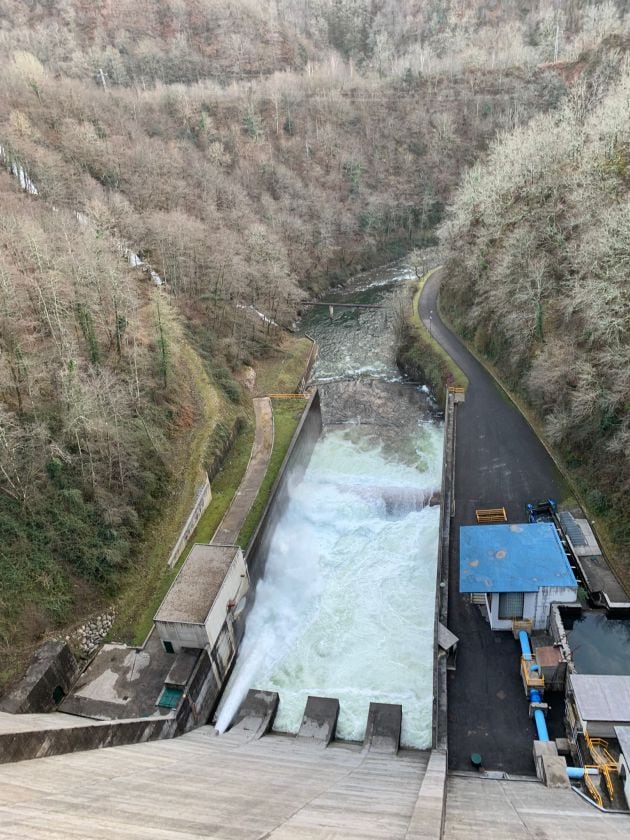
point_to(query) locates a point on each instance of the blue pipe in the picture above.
(575, 772)
(525, 648)
(539, 716)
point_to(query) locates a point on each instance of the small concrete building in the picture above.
(516, 572)
(196, 610)
(597, 704)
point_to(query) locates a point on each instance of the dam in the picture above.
(344, 606)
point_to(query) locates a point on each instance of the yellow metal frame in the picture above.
(529, 680)
(491, 515)
(604, 761)
(598, 748)
(595, 794)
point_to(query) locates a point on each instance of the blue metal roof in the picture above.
(512, 558)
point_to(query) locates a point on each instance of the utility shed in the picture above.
(598, 703)
(195, 611)
(516, 571)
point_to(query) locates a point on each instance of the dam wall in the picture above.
(447, 511)
(292, 469)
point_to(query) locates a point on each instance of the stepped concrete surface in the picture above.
(320, 719)
(382, 734)
(255, 715)
(523, 810)
(280, 788)
(204, 785)
(234, 519)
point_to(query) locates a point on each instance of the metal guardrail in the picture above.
(595, 794)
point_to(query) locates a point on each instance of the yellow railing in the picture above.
(604, 761)
(605, 771)
(596, 795)
(598, 748)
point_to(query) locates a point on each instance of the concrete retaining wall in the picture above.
(204, 497)
(293, 467)
(447, 511)
(194, 709)
(53, 669)
(20, 746)
(312, 356)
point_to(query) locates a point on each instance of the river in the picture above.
(345, 608)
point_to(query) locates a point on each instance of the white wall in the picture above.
(546, 597)
(536, 606)
(234, 586)
(182, 635)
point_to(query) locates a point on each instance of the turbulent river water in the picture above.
(346, 605)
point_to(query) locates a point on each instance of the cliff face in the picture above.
(539, 243)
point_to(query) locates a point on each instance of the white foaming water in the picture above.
(346, 605)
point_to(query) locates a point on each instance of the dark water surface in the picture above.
(599, 645)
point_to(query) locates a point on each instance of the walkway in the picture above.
(234, 519)
(204, 786)
(281, 788)
(499, 463)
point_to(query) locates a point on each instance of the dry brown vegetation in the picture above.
(249, 151)
(539, 238)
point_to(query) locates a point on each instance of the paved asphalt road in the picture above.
(499, 463)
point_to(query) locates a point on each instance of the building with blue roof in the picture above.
(515, 571)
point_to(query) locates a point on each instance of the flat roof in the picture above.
(604, 697)
(197, 584)
(512, 558)
(623, 736)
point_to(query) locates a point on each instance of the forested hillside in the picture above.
(249, 152)
(539, 239)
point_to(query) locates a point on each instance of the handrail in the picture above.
(596, 795)
(598, 748)
(605, 771)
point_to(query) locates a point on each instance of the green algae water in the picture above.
(346, 604)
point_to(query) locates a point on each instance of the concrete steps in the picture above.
(201, 785)
(519, 810)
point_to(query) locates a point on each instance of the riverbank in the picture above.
(283, 368)
(579, 487)
(419, 355)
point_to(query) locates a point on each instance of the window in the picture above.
(511, 605)
(168, 647)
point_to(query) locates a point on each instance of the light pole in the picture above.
(430, 323)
